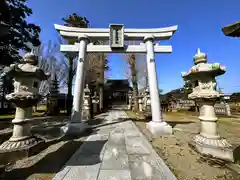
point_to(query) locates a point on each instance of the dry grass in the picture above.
(11, 116)
(175, 150)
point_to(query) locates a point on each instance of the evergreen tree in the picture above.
(21, 35)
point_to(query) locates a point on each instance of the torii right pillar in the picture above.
(157, 126)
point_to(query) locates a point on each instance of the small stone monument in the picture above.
(202, 76)
(27, 76)
(86, 114)
(52, 99)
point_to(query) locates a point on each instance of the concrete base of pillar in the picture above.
(159, 128)
(217, 148)
(74, 128)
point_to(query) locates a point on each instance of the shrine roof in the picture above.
(232, 30)
(118, 84)
(177, 94)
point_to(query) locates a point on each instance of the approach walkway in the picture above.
(116, 151)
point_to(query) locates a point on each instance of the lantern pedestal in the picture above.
(215, 147)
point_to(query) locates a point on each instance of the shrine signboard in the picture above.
(116, 37)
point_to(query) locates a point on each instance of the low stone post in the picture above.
(130, 100)
(27, 77)
(86, 114)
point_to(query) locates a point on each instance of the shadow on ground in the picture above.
(119, 120)
(54, 161)
(174, 123)
(52, 134)
(236, 155)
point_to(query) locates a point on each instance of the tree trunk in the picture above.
(135, 87)
(101, 98)
(70, 79)
(101, 83)
(146, 79)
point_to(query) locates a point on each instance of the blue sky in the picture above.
(199, 25)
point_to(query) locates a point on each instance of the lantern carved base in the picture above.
(214, 147)
(20, 144)
(159, 128)
(74, 128)
(16, 150)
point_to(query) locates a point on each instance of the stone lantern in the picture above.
(95, 102)
(202, 76)
(27, 77)
(52, 99)
(147, 100)
(140, 103)
(86, 104)
(227, 106)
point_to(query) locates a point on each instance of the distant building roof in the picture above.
(232, 30)
(117, 85)
(235, 96)
(177, 94)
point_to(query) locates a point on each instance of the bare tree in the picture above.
(136, 72)
(141, 68)
(48, 59)
(95, 66)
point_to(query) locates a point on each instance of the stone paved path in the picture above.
(116, 151)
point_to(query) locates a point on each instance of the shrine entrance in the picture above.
(116, 34)
(116, 92)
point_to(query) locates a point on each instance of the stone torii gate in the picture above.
(116, 34)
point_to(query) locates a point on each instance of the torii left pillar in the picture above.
(157, 126)
(76, 124)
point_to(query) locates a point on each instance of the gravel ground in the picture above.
(185, 163)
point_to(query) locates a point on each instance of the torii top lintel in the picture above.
(103, 33)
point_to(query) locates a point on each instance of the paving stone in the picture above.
(97, 137)
(117, 139)
(115, 160)
(137, 145)
(85, 168)
(148, 167)
(92, 147)
(62, 173)
(131, 133)
(114, 175)
(117, 151)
